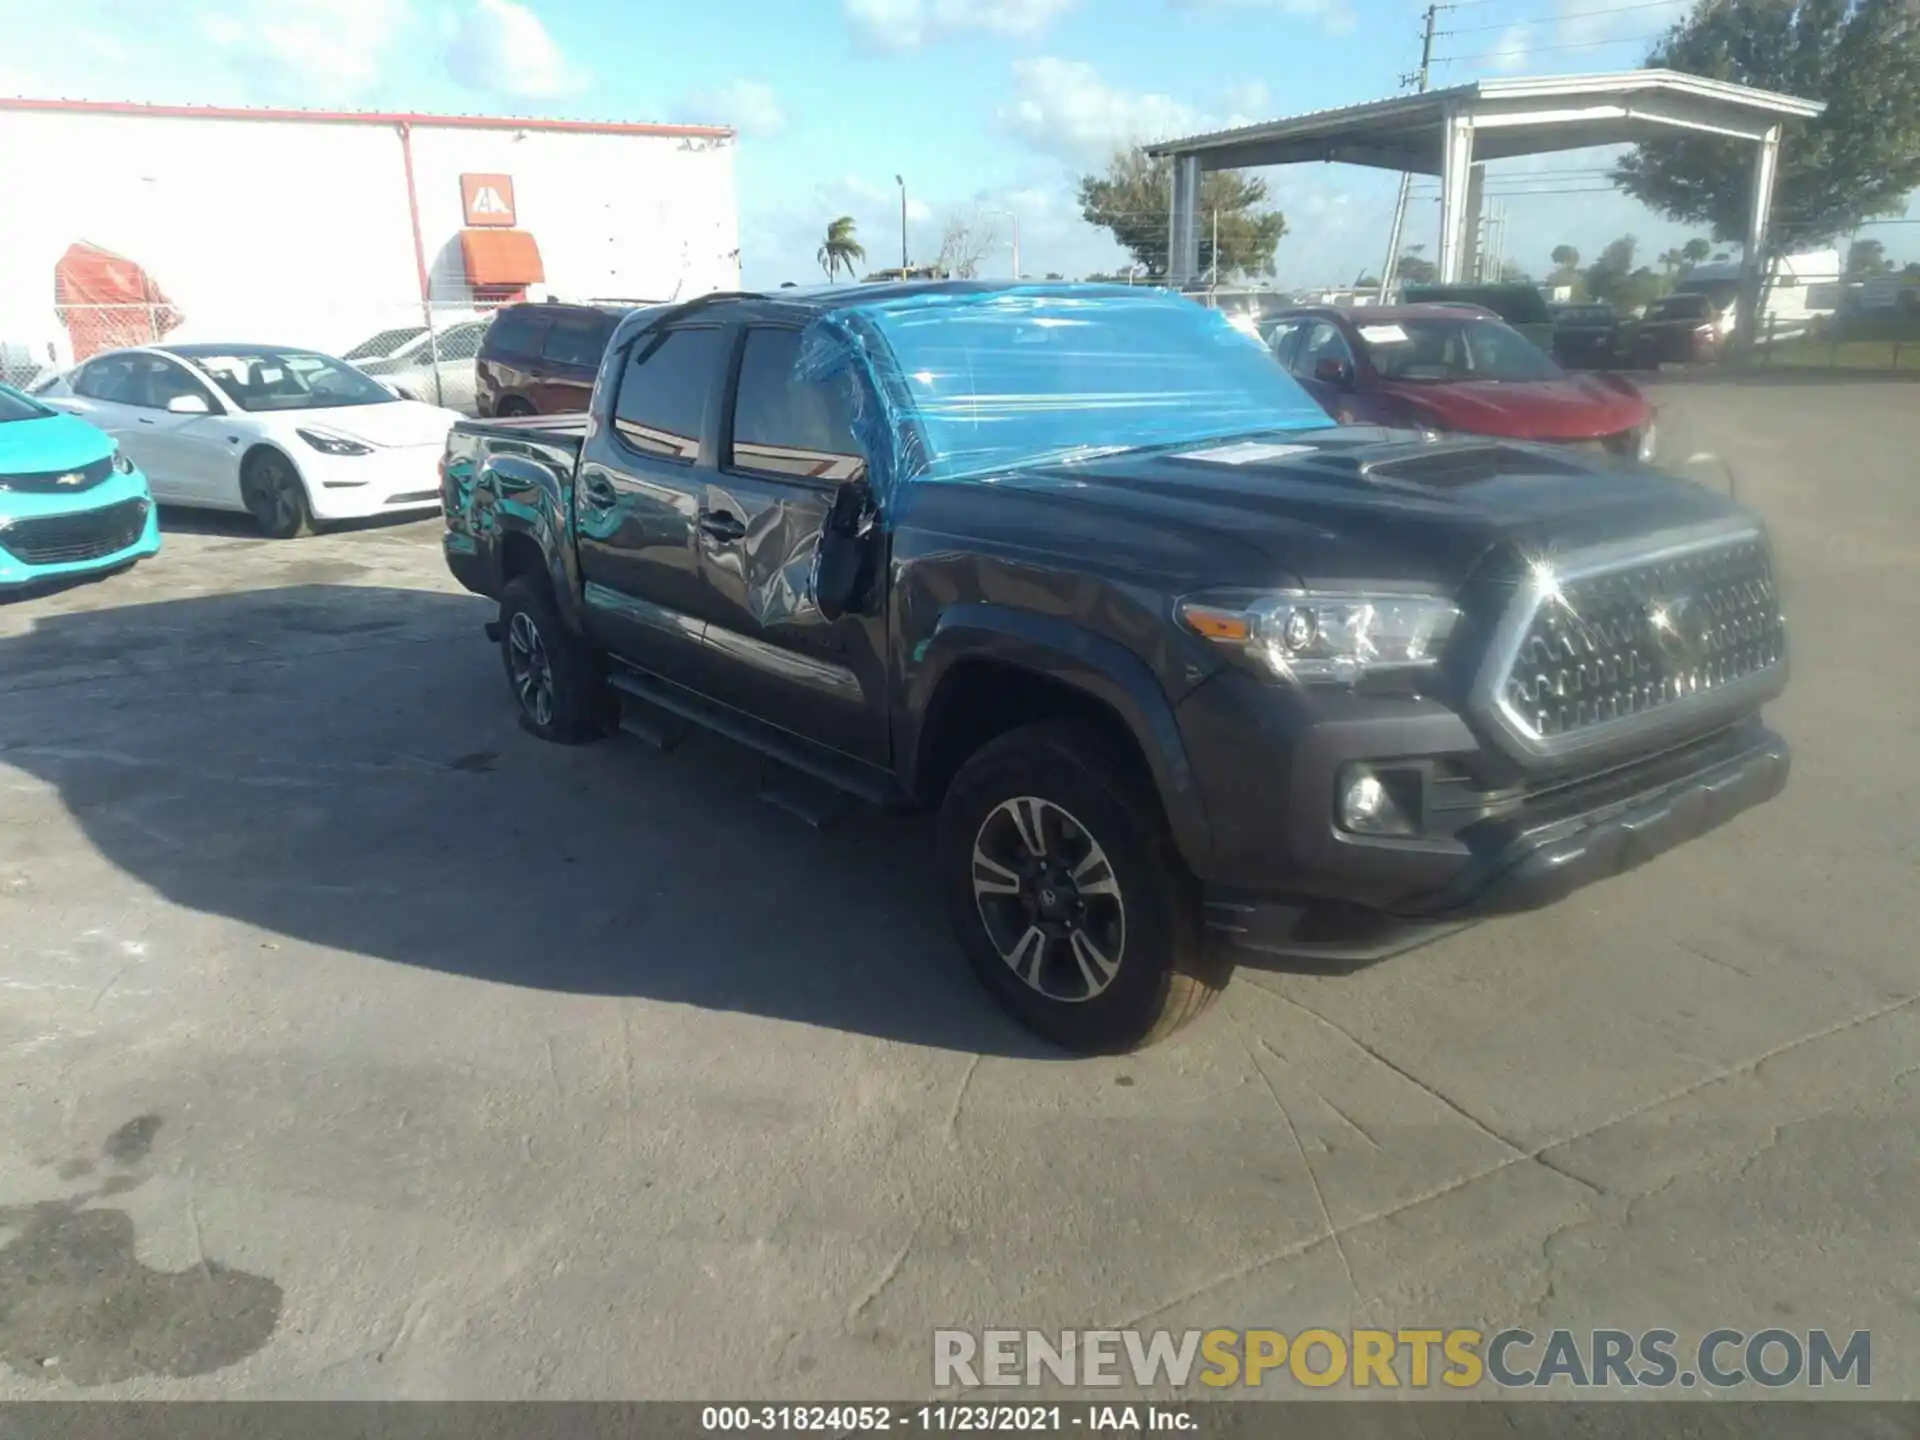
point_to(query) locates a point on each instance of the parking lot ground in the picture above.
(355, 1044)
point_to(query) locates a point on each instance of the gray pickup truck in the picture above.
(1179, 662)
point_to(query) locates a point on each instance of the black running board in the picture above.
(863, 782)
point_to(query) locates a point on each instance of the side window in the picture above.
(1324, 341)
(1283, 337)
(462, 342)
(516, 332)
(661, 407)
(165, 380)
(784, 425)
(104, 379)
(575, 340)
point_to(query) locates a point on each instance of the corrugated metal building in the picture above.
(123, 223)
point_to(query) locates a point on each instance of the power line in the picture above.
(1526, 50)
(1570, 15)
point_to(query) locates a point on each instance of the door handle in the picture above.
(600, 491)
(721, 525)
(144, 420)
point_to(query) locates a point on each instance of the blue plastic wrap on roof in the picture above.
(967, 383)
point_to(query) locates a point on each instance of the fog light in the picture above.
(1364, 803)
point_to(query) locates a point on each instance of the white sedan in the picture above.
(294, 438)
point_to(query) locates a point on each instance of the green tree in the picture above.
(841, 250)
(1564, 257)
(1512, 272)
(1607, 278)
(1695, 250)
(1413, 268)
(1671, 261)
(1857, 160)
(1132, 200)
(1868, 257)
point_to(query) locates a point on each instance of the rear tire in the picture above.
(555, 676)
(1091, 938)
(275, 496)
(512, 408)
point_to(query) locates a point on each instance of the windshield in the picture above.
(15, 406)
(291, 380)
(1516, 304)
(385, 343)
(1453, 350)
(1679, 307)
(1035, 375)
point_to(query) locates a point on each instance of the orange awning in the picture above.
(501, 257)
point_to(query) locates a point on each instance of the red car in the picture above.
(1458, 368)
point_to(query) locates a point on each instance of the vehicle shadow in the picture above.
(232, 525)
(340, 766)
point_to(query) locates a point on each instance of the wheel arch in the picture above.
(988, 669)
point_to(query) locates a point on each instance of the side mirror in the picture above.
(1331, 370)
(188, 405)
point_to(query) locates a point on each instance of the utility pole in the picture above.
(1417, 80)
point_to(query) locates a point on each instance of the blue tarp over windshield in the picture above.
(967, 383)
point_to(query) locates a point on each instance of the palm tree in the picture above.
(1672, 260)
(840, 250)
(1695, 250)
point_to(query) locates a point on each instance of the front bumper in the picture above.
(112, 524)
(1490, 837)
(1524, 867)
(391, 481)
(1514, 867)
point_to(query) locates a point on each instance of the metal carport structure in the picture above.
(1447, 132)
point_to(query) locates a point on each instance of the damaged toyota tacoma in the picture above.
(1183, 668)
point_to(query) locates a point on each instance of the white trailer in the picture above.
(128, 223)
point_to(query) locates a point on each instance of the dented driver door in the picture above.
(787, 453)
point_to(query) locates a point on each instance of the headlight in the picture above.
(1322, 638)
(121, 463)
(1648, 443)
(333, 444)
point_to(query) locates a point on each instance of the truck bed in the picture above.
(564, 428)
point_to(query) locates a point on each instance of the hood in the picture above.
(1577, 407)
(401, 423)
(1330, 507)
(51, 442)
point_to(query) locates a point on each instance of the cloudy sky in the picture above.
(986, 107)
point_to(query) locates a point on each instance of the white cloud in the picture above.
(1062, 107)
(909, 24)
(1335, 16)
(314, 51)
(1513, 49)
(499, 47)
(749, 106)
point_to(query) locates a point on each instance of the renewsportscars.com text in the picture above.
(1393, 1359)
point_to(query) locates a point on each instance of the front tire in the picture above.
(1065, 891)
(275, 496)
(512, 408)
(554, 675)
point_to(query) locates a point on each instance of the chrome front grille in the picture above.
(1624, 643)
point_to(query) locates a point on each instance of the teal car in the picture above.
(71, 503)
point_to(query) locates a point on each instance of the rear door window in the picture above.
(662, 405)
(109, 379)
(577, 340)
(516, 332)
(784, 424)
